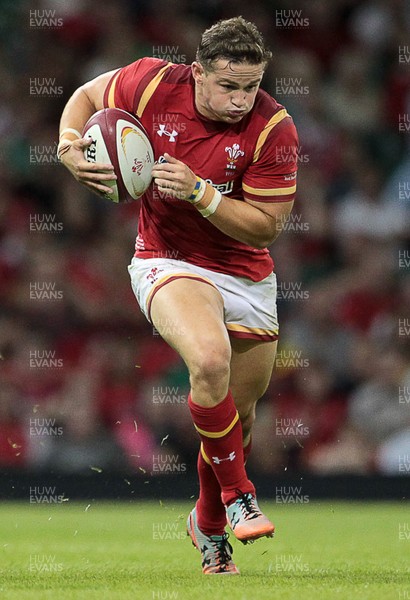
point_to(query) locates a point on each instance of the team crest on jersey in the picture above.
(234, 152)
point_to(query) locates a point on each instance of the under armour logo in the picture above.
(171, 134)
(218, 461)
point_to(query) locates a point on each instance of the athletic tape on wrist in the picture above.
(71, 130)
(212, 206)
(195, 190)
(199, 191)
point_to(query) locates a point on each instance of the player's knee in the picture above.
(210, 367)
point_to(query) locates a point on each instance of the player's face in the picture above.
(227, 93)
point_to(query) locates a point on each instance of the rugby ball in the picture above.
(121, 140)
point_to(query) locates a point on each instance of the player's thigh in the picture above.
(188, 314)
(251, 370)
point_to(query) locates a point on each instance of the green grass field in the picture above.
(140, 551)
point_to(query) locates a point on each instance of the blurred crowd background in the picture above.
(85, 380)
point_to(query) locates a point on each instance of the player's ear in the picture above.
(198, 71)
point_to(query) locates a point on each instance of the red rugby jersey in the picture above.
(256, 157)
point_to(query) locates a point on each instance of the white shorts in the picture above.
(249, 306)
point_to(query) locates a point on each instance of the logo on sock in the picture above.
(218, 461)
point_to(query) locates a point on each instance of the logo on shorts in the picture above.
(234, 152)
(153, 274)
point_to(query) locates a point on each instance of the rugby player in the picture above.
(223, 185)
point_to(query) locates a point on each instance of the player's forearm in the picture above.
(246, 223)
(85, 101)
(77, 111)
(256, 224)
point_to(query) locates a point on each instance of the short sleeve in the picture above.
(272, 175)
(126, 88)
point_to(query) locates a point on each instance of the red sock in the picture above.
(210, 509)
(220, 431)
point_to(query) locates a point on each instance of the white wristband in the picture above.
(212, 206)
(71, 130)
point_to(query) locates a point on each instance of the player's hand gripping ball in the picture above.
(121, 140)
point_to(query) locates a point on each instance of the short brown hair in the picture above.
(235, 40)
